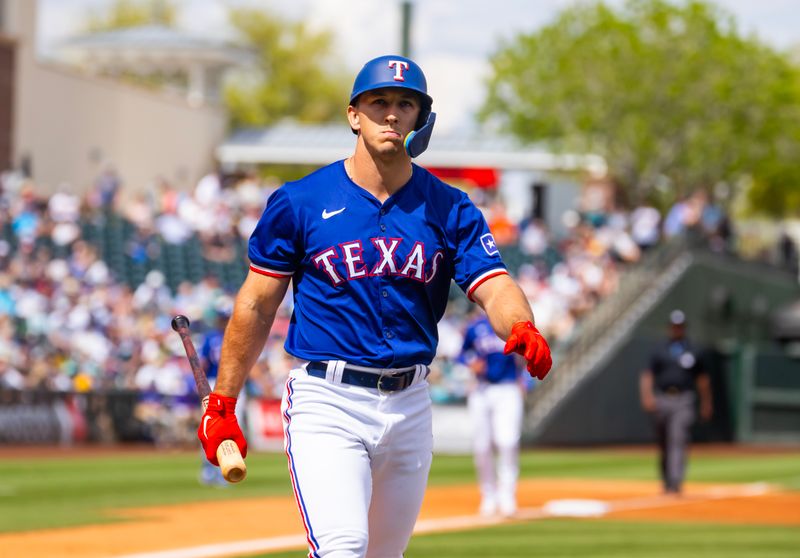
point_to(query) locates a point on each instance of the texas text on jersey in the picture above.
(365, 271)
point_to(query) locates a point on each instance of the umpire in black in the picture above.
(669, 389)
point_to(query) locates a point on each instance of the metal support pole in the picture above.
(407, 8)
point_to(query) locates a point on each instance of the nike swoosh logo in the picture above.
(327, 215)
(205, 423)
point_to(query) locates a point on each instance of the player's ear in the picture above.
(352, 117)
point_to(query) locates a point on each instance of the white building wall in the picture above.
(70, 125)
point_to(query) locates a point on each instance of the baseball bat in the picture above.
(230, 459)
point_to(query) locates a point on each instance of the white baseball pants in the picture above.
(359, 463)
(496, 411)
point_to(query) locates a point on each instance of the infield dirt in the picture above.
(162, 528)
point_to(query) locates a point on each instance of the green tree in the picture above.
(124, 14)
(668, 94)
(295, 73)
(132, 13)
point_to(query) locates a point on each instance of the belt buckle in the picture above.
(387, 374)
(384, 373)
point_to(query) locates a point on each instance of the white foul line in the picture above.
(290, 542)
(228, 549)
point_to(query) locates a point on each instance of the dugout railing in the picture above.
(599, 333)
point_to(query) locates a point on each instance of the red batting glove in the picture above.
(219, 424)
(526, 340)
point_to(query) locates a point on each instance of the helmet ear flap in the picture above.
(417, 141)
(424, 113)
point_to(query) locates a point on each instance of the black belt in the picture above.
(387, 380)
(673, 390)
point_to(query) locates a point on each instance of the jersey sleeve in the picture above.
(477, 257)
(273, 246)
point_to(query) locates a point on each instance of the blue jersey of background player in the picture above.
(211, 348)
(481, 342)
(210, 352)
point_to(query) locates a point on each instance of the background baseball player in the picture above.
(496, 404)
(370, 245)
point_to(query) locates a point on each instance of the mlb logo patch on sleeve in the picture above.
(489, 244)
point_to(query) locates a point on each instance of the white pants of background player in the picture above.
(359, 463)
(496, 412)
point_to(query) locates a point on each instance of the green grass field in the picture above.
(556, 538)
(76, 490)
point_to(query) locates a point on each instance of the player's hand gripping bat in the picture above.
(230, 459)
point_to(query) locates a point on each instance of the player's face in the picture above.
(385, 117)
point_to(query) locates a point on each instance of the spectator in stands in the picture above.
(7, 302)
(106, 188)
(10, 377)
(208, 191)
(645, 226)
(27, 214)
(714, 224)
(787, 250)
(153, 295)
(535, 238)
(139, 211)
(63, 210)
(677, 218)
(503, 229)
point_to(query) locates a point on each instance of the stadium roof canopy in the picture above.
(148, 48)
(150, 43)
(293, 143)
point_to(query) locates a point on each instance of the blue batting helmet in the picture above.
(399, 71)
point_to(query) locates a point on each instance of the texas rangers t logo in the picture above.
(489, 245)
(399, 67)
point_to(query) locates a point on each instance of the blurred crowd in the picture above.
(70, 323)
(564, 275)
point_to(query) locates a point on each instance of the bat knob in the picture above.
(180, 321)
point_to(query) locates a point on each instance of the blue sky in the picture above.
(451, 39)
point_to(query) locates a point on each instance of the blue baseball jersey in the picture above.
(371, 279)
(480, 341)
(210, 351)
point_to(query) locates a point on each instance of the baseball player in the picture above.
(495, 404)
(370, 244)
